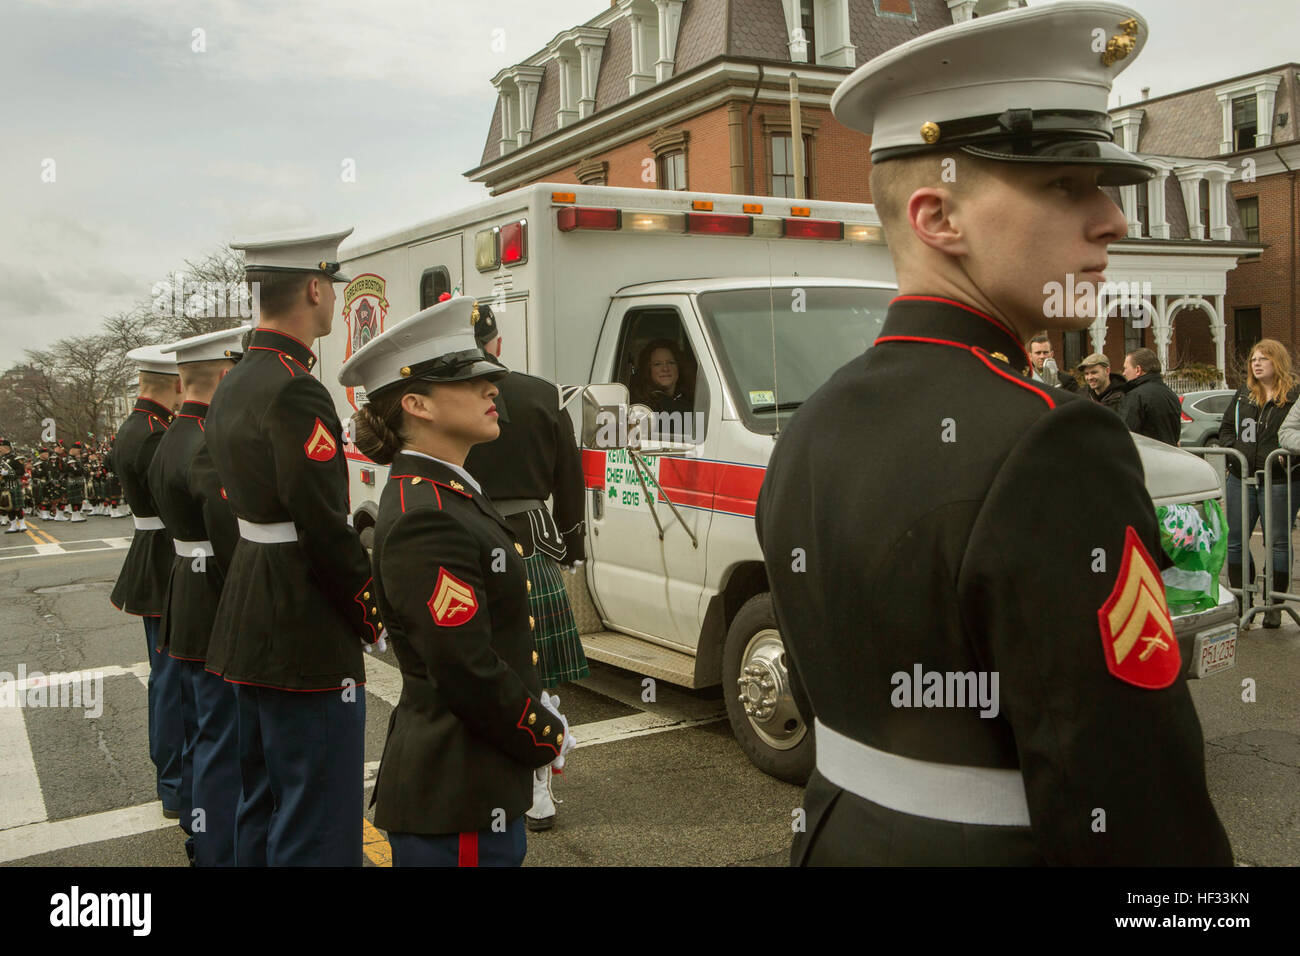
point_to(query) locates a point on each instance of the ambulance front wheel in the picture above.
(760, 703)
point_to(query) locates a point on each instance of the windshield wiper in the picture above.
(777, 406)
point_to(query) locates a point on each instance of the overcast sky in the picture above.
(162, 153)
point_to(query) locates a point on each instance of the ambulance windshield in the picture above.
(777, 345)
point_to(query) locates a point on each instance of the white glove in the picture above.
(553, 704)
(573, 568)
(381, 645)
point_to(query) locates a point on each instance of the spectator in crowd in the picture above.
(1104, 386)
(1044, 368)
(1255, 423)
(1150, 406)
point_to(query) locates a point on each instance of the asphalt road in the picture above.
(651, 784)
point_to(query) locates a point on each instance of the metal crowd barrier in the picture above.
(1249, 589)
(1266, 515)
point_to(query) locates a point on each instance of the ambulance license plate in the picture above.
(1215, 650)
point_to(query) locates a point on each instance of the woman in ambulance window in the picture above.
(664, 378)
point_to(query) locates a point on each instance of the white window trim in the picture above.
(1264, 89)
(1189, 179)
(831, 27)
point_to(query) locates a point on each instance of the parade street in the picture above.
(651, 783)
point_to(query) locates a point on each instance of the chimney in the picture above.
(1146, 92)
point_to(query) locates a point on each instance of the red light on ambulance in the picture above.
(587, 217)
(514, 243)
(813, 229)
(718, 224)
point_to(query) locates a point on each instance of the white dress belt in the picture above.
(280, 532)
(148, 524)
(186, 549)
(982, 795)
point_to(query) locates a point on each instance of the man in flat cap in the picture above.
(985, 688)
(1104, 386)
(142, 583)
(298, 603)
(188, 493)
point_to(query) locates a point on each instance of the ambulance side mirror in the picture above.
(605, 416)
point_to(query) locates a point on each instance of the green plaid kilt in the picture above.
(555, 633)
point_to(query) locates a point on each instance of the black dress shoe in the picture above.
(171, 814)
(541, 823)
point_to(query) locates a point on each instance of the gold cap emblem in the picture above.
(1121, 45)
(930, 132)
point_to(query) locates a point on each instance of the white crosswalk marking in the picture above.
(25, 831)
(21, 800)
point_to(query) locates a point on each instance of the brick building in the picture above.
(695, 95)
(1235, 138)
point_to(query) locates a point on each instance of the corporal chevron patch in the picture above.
(1137, 634)
(453, 601)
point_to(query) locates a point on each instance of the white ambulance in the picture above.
(763, 298)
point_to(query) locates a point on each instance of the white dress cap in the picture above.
(150, 358)
(1029, 85)
(285, 252)
(436, 345)
(210, 346)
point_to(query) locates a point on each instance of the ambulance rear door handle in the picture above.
(597, 504)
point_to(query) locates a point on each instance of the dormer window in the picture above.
(1244, 126)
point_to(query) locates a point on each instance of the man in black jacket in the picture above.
(1150, 406)
(1104, 386)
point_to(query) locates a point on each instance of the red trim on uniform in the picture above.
(593, 468)
(192, 660)
(365, 618)
(523, 725)
(468, 850)
(962, 305)
(979, 354)
(983, 357)
(466, 493)
(263, 328)
(401, 491)
(284, 356)
(436, 493)
(201, 428)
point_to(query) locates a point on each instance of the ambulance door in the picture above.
(437, 266)
(647, 563)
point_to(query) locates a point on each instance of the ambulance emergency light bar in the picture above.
(507, 245)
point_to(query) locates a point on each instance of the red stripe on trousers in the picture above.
(468, 850)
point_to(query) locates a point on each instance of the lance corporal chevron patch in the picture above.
(1137, 634)
(453, 601)
(321, 446)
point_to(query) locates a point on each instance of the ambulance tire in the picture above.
(773, 735)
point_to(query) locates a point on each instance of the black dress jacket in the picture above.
(142, 584)
(293, 614)
(468, 730)
(536, 456)
(187, 490)
(928, 510)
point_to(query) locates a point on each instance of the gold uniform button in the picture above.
(366, 595)
(559, 739)
(546, 731)
(415, 481)
(534, 657)
(374, 610)
(532, 719)
(379, 624)
(519, 548)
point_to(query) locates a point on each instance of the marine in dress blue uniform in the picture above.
(194, 509)
(298, 604)
(142, 583)
(893, 515)
(473, 721)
